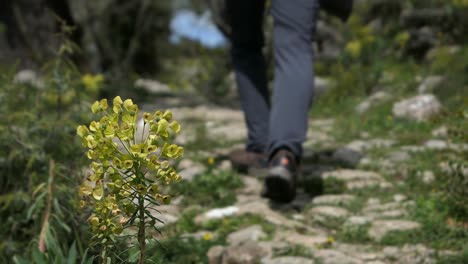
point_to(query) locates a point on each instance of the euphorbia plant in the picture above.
(128, 169)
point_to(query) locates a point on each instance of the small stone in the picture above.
(288, 260)
(321, 85)
(28, 77)
(217, 213)
(152, 86)
(436, 144)
(368, 257)
(232, 131)
(383, 207)
(261, 207)
(387, 214)
(391, 252)
(247, 253)
(225, 165)
(440, 132)
(380, 228)
(252, 186)
(298, 217)
(352, 175)
(361, 184)
(399, 156)
(329, 256)
(419, 108)
(215, 255)
(346, 158)
(328, 212)
(253, 233)
(356, 221)
(363, 145)
(189, 173)
(373, 201)
(428, 177)
(399, 198)
(166, 219)
(186, 163)
(309, 241)
(371, 101)
(430, 84)
(334, 199)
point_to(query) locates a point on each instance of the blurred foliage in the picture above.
(40, 159)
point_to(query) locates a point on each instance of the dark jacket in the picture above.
(339, 8)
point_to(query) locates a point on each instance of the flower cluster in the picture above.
(127, 169)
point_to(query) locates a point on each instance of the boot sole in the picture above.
(279, 186)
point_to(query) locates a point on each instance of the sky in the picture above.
(186, 24)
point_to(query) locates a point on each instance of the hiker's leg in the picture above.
(246, 19)
(294, 23)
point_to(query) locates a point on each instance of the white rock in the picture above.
(334, 199)
(380, 228)
(371, 101)
(362, 145)
(329, 256)
(329, 212)
(152, 86)
(189, 173)
(28, 77)
(399, 197)
(356, 221)
(221, 212)
(430, 84)
(253, 233)
(321, 85)
(352, 175)
(288, 260)
(440, 132)
(419, 108)
(428, 177)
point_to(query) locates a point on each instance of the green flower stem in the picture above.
(141, 228)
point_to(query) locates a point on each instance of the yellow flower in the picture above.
(167, 115)
(128, 164)
(117, 102)
(354, 48)
(128, 104)
(175, 127)
(94, 220)
(82, 131)
(211, 161)
(91, 82)
(207, 236)
(147, 117)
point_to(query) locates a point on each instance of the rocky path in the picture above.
(348, 209)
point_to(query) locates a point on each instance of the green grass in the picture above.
(354, 234)
(461, 258)
(210, 189)
(294, 250)
(228, 225)
(179, 250)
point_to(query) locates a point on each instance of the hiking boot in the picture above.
(244, 160)
(280, 183)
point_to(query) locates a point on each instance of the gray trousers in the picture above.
(281, 122)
